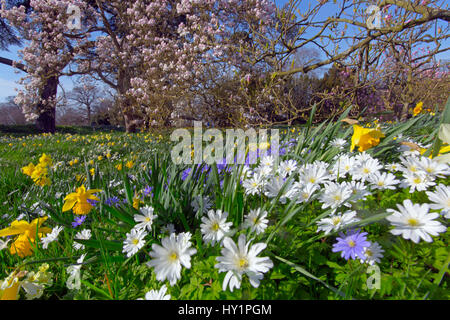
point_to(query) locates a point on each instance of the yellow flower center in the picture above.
(336, 221)
(337, 197)
(369, 253)
(351, 243)
(312, 180)
(215, 226)
(173, 257)
(366, 170)
(417, 180)
(413, 222)
(135, 241)
(243, 263)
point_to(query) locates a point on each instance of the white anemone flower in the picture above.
(287, 167)
(242, 259)
(215, 226)
(254, 184)
(256, 221)
(134, 242)
(336, 221)
(372, 254)
(157, 294)
(84, 234)
(419, 181)
(50, 237)
(385, 180)
(440, 199)
(335, 195)
(414, 222)
(145, 219)
(167, 259)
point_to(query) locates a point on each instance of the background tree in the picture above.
(86, 95)
(11, 113)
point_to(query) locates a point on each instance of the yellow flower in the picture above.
(136, 202)
(9, 289)
(33, 284)
(119, 167)
(45, 160)
(92, 171)
(365, 138)
(28, 170)
(129, 164)
(91, 162)
(418, 109)
(26, 234)
(79, 200)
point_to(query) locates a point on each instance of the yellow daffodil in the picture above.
(365, 138)
(136, 202)
(92, 171)
(45, 160)
(79, 200)
(129, 164)
(28, 170)
(26, 234)
(39, 172)
(9, 289)
(33, 283)
(119, 167)
(418, 109)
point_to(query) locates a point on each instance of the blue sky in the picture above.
(9, 78)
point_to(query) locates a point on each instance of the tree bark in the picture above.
(132, 120)
(46, 122)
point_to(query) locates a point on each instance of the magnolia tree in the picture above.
(157, 52)
(51, 46)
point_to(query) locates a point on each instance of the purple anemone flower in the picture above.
(148, 190)
(78, 221)
(351, 245)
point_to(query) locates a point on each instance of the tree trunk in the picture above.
(132, 121)
(46, 122)
(89, 115)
